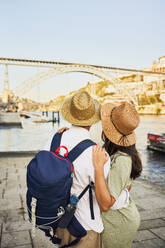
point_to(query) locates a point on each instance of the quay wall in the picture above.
(10, 119)
(151, 110)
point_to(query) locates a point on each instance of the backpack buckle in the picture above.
(58, 150)
(61, 211)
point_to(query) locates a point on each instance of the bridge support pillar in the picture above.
(6, 88)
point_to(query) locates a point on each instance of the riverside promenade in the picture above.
(15, 230)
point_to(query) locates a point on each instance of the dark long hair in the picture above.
(112, 148)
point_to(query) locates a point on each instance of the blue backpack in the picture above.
(49, 180)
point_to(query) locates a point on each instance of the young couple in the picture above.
(116, 216)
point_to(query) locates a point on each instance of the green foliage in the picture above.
(158, 110)
(158, 97)
(141, 108)
(101, 88)
(147, 100)
(58, 99)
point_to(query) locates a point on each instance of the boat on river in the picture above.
(34, 117)
(156, 141)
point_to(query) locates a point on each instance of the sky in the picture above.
(120, 33)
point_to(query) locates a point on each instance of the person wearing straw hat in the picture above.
(82, 111)
(118, 123)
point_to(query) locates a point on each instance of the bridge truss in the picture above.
(111, 74)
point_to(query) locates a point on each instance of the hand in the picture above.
(99, 156)
(63, 129)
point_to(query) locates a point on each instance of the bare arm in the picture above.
(105, 200)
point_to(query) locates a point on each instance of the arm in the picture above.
(105, 200)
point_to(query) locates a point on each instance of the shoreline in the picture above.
(151, 114)
(17, 153)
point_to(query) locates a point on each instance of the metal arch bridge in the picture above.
(56, 68)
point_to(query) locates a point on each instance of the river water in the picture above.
(33, 136)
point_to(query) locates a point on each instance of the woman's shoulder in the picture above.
(121, 157)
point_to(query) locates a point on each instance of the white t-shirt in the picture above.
(83, 175)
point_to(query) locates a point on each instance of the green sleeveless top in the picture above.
(120, 226)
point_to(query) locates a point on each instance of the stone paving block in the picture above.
(24, 202)
(11, 170)
(22, 177)
(26, 216)
(12, 178)
(25, 246)
(15, 187)
(22, 188)
(151, 202)
(23, 183)
(159, 232)
(1, 221)
(152, 243)
(139, 208)
(13, 174)
(16, 226)
(22, 171)
(41, 241)
(142, 192)
(8, 194)
(23, 165)
(22, 194)
(10, 188)
(2, 174)
(14, 239)
(11, 184)
(152, 214)
(10, 203)
(144, 235)
(3, 183)
(148, 224)
(22, 162)
(11, 215)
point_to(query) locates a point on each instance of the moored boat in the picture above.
(34, 117)
(156, 141)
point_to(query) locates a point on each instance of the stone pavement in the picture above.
(15, 229)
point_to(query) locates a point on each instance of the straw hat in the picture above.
(119, 123)
(81, 109)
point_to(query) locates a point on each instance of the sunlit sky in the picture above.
(119, 33)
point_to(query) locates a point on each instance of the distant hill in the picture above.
(103, 91)
(99, 88)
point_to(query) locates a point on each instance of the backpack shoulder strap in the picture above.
(55, 142)
(78, 149)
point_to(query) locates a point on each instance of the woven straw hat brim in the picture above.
(65, 112)
(110, 131)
